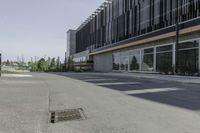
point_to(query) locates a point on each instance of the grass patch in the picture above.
(10, 72)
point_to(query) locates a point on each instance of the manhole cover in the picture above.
(67, 115)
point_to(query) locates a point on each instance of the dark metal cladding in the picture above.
(119, 20)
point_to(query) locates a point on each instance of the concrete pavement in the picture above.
(23, 105)
(110, 110)
(113, 104)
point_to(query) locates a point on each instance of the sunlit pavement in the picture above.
(112, 104)
(16, 75)
(23, 104)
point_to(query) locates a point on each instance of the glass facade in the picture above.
(134, 59)
(116, 61)
(148, 59)
(188, 58)
(164, 59)
(119, 20)
(160, 59)
(124, 62)
(127, 61)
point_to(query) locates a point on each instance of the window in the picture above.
(188, 58)
(124, 61)
(116, 61)
(148, 59)
(120, 61)
(134, 60)
(164, 59)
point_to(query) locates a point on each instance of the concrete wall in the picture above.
(103, 62)
(84, 54)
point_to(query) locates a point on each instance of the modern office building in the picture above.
(81, 60)
(71, 42)
(143, 36)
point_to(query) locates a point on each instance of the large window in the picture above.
(188, 58)
(148, 59)
(134, 60)
(124, 61)
(160, 59)
(120, 61)
(164, 59)
(116, 61)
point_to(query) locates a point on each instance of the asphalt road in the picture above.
(177, 94)
(112, 104)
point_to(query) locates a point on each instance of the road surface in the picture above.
(112, 104)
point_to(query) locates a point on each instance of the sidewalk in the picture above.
(111, 111)
(171, 78)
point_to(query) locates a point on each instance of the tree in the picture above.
(7, 63)
(58, 63)
(34, 67)
(70, 63)
(52, 66)
(42, 65)
(49, 61)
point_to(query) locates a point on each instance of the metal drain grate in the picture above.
(67, 115)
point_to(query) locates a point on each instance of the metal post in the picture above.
(174, 55)
(199, 57)
(0, 64)
(177, 36)
(140, 67)
(154, 58)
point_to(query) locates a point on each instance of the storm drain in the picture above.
(67, 115)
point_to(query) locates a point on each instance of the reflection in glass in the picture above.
(148, 59)
(124, 64)
(164, 59)
(188, 58)
(134, 60)
(116, 61)
(124, 61)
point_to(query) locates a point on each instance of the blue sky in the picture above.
(32, 28)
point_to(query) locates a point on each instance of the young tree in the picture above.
(34, 67)
(58, 63)
(70, 63)
(7, 63)
(43, 65)
(49, 61)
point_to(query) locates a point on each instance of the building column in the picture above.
(128, 62)
(140, 68)
(199, 56)
(174, 56)
(154, 60)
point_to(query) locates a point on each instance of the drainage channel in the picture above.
(67, 115)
